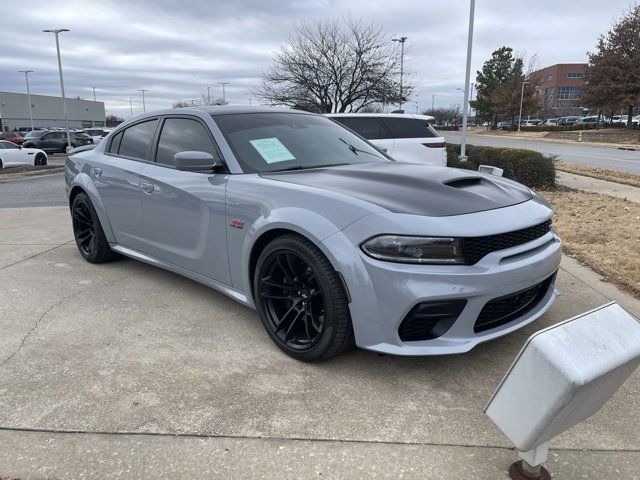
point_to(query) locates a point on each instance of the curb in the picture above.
(32, 173)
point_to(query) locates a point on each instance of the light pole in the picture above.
(224, 97)
(433, 102)
(521, 99)
(463, 142)
(131, 106)
(144, 104)
(26, 79)
(401, 40)
(57, 32)
(94, 93)
(208, 96)
(249, 101)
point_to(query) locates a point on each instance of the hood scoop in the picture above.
(464, 182)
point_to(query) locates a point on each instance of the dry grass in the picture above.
(600, 173)
(602, 232)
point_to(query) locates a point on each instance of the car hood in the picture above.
(413, 189)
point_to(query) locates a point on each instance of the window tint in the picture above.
(407, 127)
(2, 144)
(369, 127)
(10, 146)
(136, 140)
(182, 135)
(115, 143)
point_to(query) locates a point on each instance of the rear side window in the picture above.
(115, 143)
(408, 128)
(182, 135)
(137, 139)
(368, 127)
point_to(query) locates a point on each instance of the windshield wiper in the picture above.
(356, 150)
(302, 167)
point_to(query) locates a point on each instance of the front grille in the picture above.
(502, 310)
(429, 320)
(474, 248)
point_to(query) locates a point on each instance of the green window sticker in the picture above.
(272, 150)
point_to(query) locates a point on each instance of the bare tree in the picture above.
(203, 101)
(445, 116)
(334, 66)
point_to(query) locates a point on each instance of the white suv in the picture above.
(407, 138)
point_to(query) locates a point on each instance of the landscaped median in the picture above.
(27, 171)
(599, 230)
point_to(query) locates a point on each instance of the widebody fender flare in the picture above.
(85, 182)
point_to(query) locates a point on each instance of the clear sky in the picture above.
(175, 49)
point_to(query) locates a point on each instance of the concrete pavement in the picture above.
(595, 156)
(596, 185)
(127, 371)
(33, 191)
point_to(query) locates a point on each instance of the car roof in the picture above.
(390, 115)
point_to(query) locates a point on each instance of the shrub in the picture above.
(528, 167)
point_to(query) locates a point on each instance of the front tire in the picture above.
(40, 160)
(87, 231)
(301, 300)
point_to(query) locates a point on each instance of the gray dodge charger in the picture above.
(329, 239)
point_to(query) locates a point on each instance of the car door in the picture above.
(415, 142)
(370, 128)
(116, 174)
(184, 211)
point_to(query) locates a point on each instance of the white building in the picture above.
(48, 112)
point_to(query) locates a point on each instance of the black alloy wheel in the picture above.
(88, 233)
(301, 300)
(40, 160)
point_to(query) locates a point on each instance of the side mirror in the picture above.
(192, 161)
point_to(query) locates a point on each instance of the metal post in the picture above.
(208, 96)
(94, 93)
(249, 102)
(56, 32)
(433, 103)
(144, 104)
(521, 99)
(224, 96)
(26, 78)
(131, 106)
(463, 142)
(401, 40)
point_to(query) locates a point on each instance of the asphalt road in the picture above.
(37, 191)
(594, 156)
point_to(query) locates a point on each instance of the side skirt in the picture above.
(209, 282)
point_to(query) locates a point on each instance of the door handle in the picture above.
(97, 171)
(146, 187)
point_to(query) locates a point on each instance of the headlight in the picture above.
(404, 249)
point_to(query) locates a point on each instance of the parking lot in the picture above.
(125, 370)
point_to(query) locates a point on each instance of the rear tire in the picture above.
(87, 231)
(301, 300)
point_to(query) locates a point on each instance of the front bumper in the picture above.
(383, 293)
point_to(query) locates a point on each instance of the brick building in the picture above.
(561, 87)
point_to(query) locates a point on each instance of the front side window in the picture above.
(270, 142)
(10, 146)
(137, 139)
(369, 127)
(408, 128)
(182, 135)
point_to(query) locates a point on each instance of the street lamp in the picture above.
(224, 97)
(401, 40)
(26, 78)
(57, 32)
(521, 99)
(433, 102)
(131, 106)
(463, 142)
(144, 104)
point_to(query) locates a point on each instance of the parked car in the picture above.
(504, 125)
(624, 120)
(96, 134)
(13, 137)
(406, 137)
(552, 121)
(325, 235)
(55, 141)
(592, 120)
(12, 155)
(533, 122)
(570, 120)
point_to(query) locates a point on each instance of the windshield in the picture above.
(35, 134)
(270, 142)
